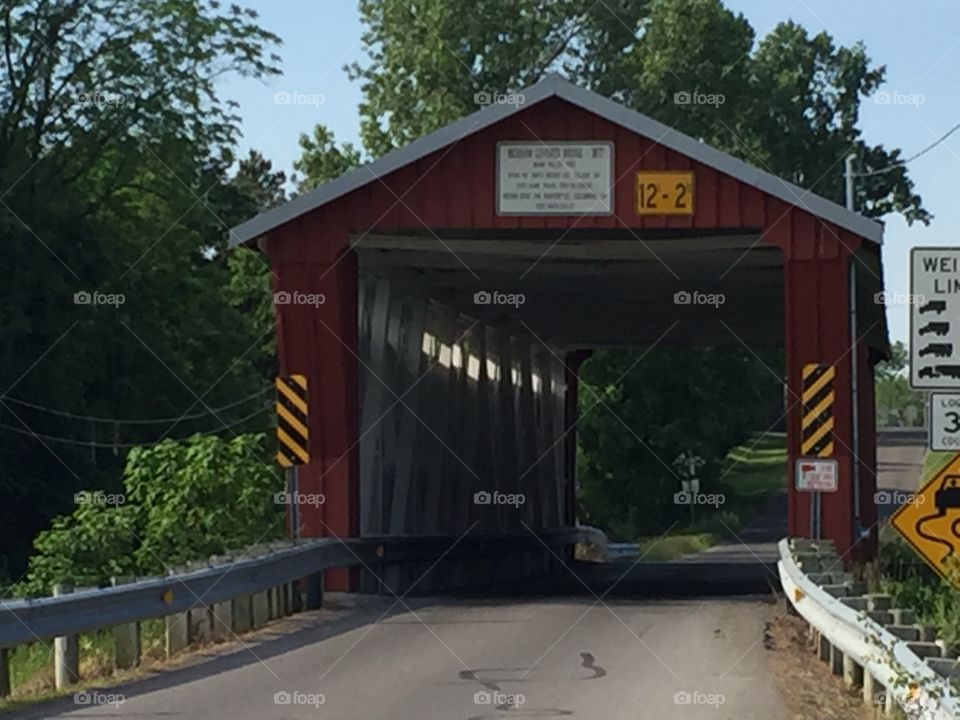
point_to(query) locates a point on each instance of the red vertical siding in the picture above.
(455, 188)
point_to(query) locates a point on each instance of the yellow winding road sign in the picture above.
(930, 522)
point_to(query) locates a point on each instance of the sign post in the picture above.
(930, 522)
(935, 318)
(816, 475)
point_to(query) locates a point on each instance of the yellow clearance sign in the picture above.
(930, 522)
(665, 193)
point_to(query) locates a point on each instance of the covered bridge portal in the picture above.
(457, 306)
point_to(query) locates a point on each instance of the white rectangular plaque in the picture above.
(555, 178)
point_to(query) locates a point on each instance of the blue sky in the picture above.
(919, 42)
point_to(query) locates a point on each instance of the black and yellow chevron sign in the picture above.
(293, 434)
(818, 400)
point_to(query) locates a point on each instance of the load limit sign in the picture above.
(935, 318)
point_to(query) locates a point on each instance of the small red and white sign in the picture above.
(817, 475)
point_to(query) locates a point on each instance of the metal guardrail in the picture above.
(857, 641)
(26, 621)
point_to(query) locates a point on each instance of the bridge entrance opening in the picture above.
(470, 348)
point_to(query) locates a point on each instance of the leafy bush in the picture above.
(182, 501)
(913, 584)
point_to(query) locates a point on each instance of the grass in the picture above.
(31, 666)
(933, 462)
(674, 546)
(757, 468)
(750, 475)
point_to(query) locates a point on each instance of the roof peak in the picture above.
(553, 84)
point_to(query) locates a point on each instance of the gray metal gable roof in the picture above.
(557, 86)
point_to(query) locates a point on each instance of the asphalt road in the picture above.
(899, 464)
(650, 641)
(480, 658)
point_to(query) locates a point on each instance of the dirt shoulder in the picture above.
(810, 691)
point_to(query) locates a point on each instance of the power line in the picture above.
(94, 443)
(901, 163)
(135, 421)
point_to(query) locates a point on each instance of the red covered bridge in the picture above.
(429, 382)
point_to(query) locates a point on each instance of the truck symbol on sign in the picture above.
(952, 371)
(937, 350)
(937, 306)
(937, 328)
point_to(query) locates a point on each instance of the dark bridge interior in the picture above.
(591, 289)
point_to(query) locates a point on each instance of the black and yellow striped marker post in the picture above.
(818, 400)
(293, 434)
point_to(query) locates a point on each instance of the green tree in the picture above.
(322, 159)
(429, 60)
(255, 188)
(896, 364)
(790, 101)
(637, 417)
(114, 151)
(897, 403)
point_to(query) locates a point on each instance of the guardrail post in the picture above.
(274, 595)
(836, 660)
(314, 591)
(4, 672)
(260, 607)
(891, 708)
(200, 616)
(176, 630)
(66, 651)
(852, 673)
(824, 648)
(222, 619)
(240, 612)
(176, 634)
(126, 638)
(869, 690)
(200, 624)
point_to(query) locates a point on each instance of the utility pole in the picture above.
(848, 175)
(854, 359)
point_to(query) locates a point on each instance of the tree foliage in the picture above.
(179, 502)
(637, 417)
(322, 159)
(791, 101)
(897, 403)
(115, 157)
